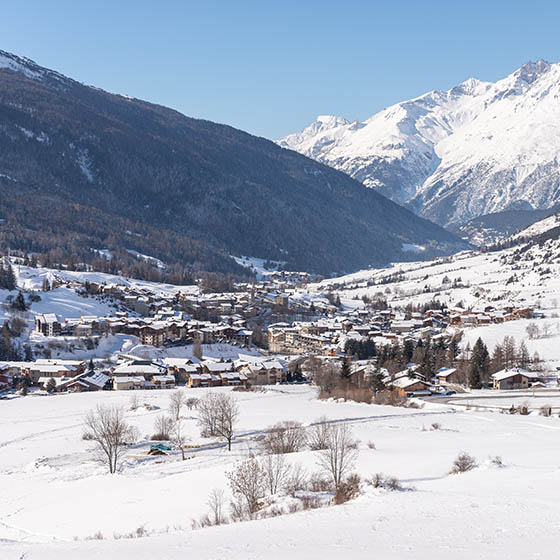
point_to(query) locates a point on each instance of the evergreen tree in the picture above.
(479, 365)
(19, 303)
(345, 370)
(51, 385)
(90, 366)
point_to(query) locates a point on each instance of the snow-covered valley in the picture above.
(55, 496)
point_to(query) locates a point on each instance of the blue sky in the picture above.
(270, 67)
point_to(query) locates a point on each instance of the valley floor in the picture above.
(55, 497)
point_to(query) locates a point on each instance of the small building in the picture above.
(515, 378)
(128, 383)
(164, 381)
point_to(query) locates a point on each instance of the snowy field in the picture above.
(54, 496)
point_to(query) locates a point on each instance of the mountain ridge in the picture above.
(454, 155)
(145, 168)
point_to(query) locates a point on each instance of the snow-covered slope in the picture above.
(538, 228)
(453, 155)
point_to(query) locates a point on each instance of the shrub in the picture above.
(436, 426)
(371, 445)
(318, 435)
(347, 490)
(163, 427)
(463, 463)
(390, 397)
(497, 462)
(296, 480)
(285, 437)
(391, 483)
(546, 410)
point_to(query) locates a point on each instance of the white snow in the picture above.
(461, 153)
(54, 495)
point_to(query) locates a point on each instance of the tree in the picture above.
(509, 350)
(340, 454)
(216, 503)
(217, 415)
(51, 385)
(248, 482)
(91, 367)
(346, 370)
(533, 330)
(197, 350)
(479, 365)
(163, 427)
(46, 286)
(107, 427)
(19, 303)
(276, 470)
(285, 437)
(177, 402)
(523, 355)
(327, 378)
(7, 277)
(227, 413)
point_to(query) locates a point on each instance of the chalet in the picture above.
(163, 381)
(216, 368)
(408, 386)
(53, 368)
(128, 383)
(135, 369)
(447, 375)
(233, 378)
(515, 378)
(85, 382)
(203, 380)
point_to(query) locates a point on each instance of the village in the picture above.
(274, 331)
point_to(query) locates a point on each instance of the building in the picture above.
(48, 324)
(515, 378)
(128, 383)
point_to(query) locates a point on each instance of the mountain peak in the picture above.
(331, 120)
(530, 71)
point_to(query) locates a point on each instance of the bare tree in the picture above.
(285, 437)
(106, 426)
(327, 378)
(216, 503)
(163, 427)
(177, 402)
(192, 402)
(206, 408)
(248, 482)
(276, 471)
(318, 434)
(340, 455)
(217, 415)
(296, 480)
(227, 413)
(197, 350)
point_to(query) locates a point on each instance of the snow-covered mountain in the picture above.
(478, 148)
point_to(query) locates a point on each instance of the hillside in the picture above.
(478, 148)
(83, 169)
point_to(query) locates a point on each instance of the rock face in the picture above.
(454, 155)
(82, 169)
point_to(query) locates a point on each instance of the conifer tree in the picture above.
(479, 365)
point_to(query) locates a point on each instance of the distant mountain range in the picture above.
(455, 155)
(84, 170)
